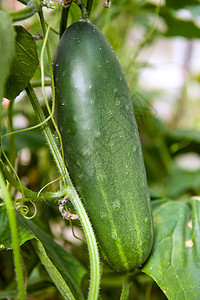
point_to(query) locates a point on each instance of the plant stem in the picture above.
(89, 7)
(32, 7)
(42, 21)
(59, 160)
(12, 148)
(14, 235)
(87, 228)
(1, 113)
(47, 132)
(82, 7)
(165, 154)
(63, 21)
(37, 83)
(46, 32)
(125, 288)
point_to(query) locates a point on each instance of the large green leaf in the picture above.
(24, 64)
(175, 260)
(65, 271)
(6, 48)
(70, 269)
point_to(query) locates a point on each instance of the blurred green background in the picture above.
(158, 46)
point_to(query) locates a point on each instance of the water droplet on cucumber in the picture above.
(116, 205)
(103, 215)
(114, 234)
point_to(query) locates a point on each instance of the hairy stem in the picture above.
(125, 289)
(59, 160)
(71, 192)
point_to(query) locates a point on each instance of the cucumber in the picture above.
(95, 116)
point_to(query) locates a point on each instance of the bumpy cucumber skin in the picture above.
(102, 148)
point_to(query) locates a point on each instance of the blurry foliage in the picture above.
(161, 140)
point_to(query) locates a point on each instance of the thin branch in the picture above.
(15, 239)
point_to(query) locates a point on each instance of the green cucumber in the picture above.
(95, 116)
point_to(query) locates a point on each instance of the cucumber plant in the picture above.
(105, 192)
(95, 116)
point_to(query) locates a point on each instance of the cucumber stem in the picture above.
(63, 21)
(83, 9)
(125, 288)
(89, 7)
(71, 192)
(85, 222)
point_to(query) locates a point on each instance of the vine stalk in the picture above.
(63, 21)
(14, 235)
(72, 194)
(12, 147)
(125, 288)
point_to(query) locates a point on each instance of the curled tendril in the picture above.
(24, 209)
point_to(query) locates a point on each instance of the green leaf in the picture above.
(175, 260)
(24, 64)
(181, 3)
(6, 48)
(65, 271)
(175, 26)
(178, 27)
(71, 270)
(53, 272)
(33, 139)
(5, 237)
(185, 134)
(182, 181)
